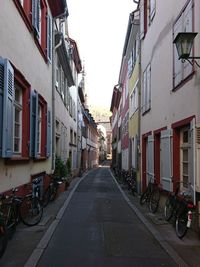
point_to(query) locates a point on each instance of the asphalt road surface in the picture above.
(99, 229)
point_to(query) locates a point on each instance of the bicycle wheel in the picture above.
(3, 239)
(144, 197)
(31, 211)
(10, 219)
(46, 197)
(169, 207)
(154, 200)
(53, 192)
(181, 224)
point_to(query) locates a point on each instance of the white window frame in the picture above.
(184, 146)
(21, 2)
(17, 108)
(152, 9)
(134, 100)
(184, 23)
(146, 92)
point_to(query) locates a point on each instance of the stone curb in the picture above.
(174, 255)
(38, 251)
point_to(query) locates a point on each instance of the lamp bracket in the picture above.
(192, 61)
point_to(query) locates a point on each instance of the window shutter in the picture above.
(150, 158)
(1, 100)
(33, 123)
(177, 63)
(49, 38)
(8, 98)
(48, 144)
(144, 92)
(187, 26)
(191, 156)
(183, 24)
(152, 8)
(36, 15)
(166, 159)
(142, 30)
(148, 87)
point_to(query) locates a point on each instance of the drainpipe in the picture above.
(139, 122)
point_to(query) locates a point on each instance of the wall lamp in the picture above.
(184, 42)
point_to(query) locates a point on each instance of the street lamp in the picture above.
(184, 42)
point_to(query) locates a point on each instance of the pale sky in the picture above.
(99, 28)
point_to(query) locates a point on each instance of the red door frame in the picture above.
(144, 160)
(176, 148)
(157, 134)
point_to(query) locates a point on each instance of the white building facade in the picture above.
(170, 110)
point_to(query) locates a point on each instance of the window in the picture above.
(49, 37)
(17, 120)
(38, 20)
(146, 90)
(134, 100)
(74, 138)
(21, 2)
(24, 120)
(147, 13)
(152, 9)
(40, 127)
(183, 24)
(14, 110)
(143, 18)
(71, 136)
(184, 150)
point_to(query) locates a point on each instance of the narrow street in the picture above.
(98, 228)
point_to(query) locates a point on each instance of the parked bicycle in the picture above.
(3, 233)
(151, 196)
(51, 191)
(179, 205)
(131, 181)
(15, 208)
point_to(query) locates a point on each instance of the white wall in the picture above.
(18, 46)
(157, 48)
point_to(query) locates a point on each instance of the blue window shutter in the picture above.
(33, 124)
(1, 100)
(49, 38)
(36, 15)
(48, 144)
(8, 99)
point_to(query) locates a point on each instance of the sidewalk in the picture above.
(186, 251)
(28, 243)
(26, 239)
